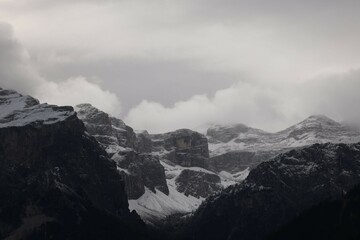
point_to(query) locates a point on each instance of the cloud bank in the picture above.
(267, 107)
(17, 73)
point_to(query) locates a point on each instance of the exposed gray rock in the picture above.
(112, 133)
(140, 171)
(143, 142)
(131, 152)
(237, 161)
(249, 146)
(185, 147)
(197, 183)
(55, 180)
(225, 134)
(278, 190)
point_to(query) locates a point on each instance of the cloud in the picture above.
(336, 95)
(15, 70)
(79, 90)
(288, 40)
(241, 102)
(17, 73)
(267, 107)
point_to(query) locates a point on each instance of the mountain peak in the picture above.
(316, 122)
(18, 110)
(320, 118)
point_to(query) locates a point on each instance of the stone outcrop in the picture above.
(237, 161)
(278, 190)
(143, 142)
(237, 146)
(131, 152)
(140, 171)
(184, 147)
(111, 132)
(198, 183)
(55, 180)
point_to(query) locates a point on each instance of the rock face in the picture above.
(185, 147)
(112, 133)
(131, 153)
(225, 134)
(164, 173)
(278, 190)
(189, 150)
(55, 180)
(234, 162)
(197, 183)
(140, 171)
(250, 146)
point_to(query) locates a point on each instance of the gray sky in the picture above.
(167, 64)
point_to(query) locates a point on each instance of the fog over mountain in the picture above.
(164, 65)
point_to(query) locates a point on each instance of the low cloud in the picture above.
(242, 102)
(335, 95)
(268, 107)
(17, 73)
(79, 90)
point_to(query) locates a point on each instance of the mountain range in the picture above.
(65, 170)
(189, 166)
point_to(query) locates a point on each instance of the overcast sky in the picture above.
(167, 64)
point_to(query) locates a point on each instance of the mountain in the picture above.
(164, 173)
(56, 182)
(174, 172)
(124, 147)
(330, 219)
(237, 147)
(276, 191)
(68, 174)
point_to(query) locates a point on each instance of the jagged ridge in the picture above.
(278, 190)
(55, 180)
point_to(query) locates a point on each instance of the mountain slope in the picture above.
(56, 182)
(330, 219)
(234, 145)
(164, 173)
(276, 191)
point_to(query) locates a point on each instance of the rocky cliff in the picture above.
(184, 147)
(239, 146)
(164, 173)
(278, 190)
(56, 182)
(131, 153)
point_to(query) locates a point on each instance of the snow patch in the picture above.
(155, 206)
(17, 110)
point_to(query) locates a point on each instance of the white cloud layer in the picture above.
(17, 73)
(241, 102)
(266, 107)
(272, 41)
(79, 90)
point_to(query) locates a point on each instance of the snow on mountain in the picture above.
(56, 180)
(18, 110)
(155, 206)
(164, 173)
(314, 129)
(276, 191)
(228, 179)
(173, 173)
